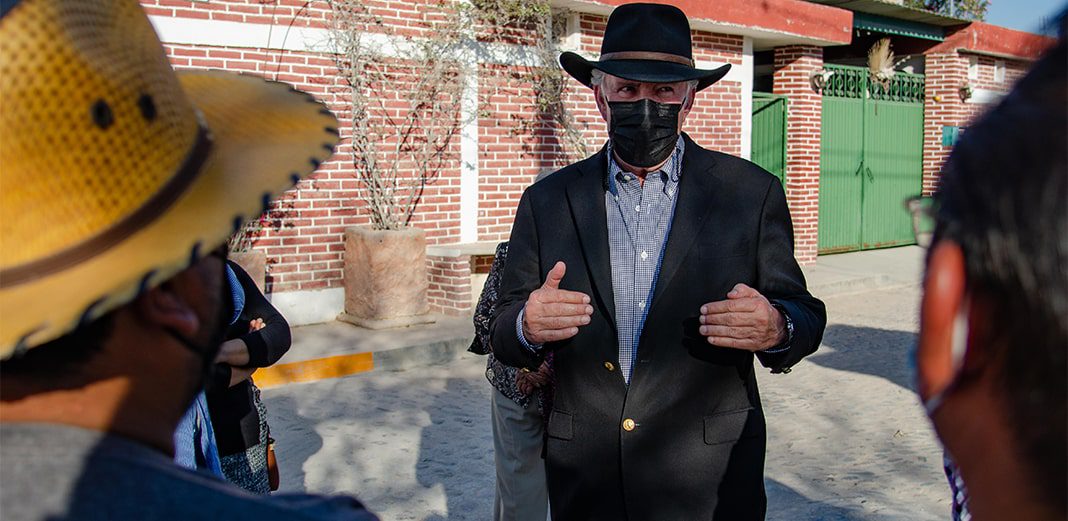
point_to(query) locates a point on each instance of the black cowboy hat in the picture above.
(645, 42)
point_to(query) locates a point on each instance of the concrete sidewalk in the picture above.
(338, 349)
(865, 270)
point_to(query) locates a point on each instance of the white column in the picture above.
(469, 137)
(746, 78)
(469, 153)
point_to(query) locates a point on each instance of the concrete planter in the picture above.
(385, 278)
(254, 262)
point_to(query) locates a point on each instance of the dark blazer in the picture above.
(697, 451)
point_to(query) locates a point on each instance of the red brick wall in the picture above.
(313, 14)
(716, 119)
(1014, 69)
(303, 236)
(946, 73)
(481, 263)
(515, 143)
(793, 68)
(450, 284)
(410, 18)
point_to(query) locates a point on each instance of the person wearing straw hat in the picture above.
(654, 271)
(121, 182)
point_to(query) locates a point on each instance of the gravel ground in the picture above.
(847, 439)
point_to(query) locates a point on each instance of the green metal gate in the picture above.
(769, 133)
(871, 159)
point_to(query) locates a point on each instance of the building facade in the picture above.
(778, 49)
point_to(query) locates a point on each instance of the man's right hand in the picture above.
(554, 314)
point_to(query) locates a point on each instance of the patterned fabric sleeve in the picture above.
(956, 486)
(499, 375)
(486, 302)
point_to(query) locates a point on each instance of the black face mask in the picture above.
(643, 132)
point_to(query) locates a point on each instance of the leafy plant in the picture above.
(964, 9)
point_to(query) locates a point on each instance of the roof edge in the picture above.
(993, 40)
(808, 23)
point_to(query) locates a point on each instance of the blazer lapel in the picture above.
(585, 195)
(696, 186)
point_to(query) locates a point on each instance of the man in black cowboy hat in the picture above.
(112, 285)
(654, 271)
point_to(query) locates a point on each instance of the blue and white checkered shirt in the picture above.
(639, 219)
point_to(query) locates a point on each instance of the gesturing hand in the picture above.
(553, 314)
(746, 320)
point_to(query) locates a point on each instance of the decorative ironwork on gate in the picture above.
(847, 81)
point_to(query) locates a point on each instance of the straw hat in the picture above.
(116, 173)
(645, 42)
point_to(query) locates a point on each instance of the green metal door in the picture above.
(769, 133)
(871, 159)
(893, 166)
(841, 152)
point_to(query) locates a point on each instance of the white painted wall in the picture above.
(310, 307)
(240, 34)
(746, 73)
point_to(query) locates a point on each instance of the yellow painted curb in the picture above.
(311, 370)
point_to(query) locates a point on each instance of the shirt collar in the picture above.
(670, 172)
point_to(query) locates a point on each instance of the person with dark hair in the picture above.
(656, 272)
(992, 356)
(122, 180)
(258, 337)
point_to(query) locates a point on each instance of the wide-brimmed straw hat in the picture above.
(645, 42)
(116, 173)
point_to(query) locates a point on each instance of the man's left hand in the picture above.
(529, 381)
(746, 320)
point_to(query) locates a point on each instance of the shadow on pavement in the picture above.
(445, 447)
(295, 441)
(786, 504)
(878, 352)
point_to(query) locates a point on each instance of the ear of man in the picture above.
(165, 307)
(946, 295)
(943, 297)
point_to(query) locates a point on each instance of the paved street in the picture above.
(847, 439)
